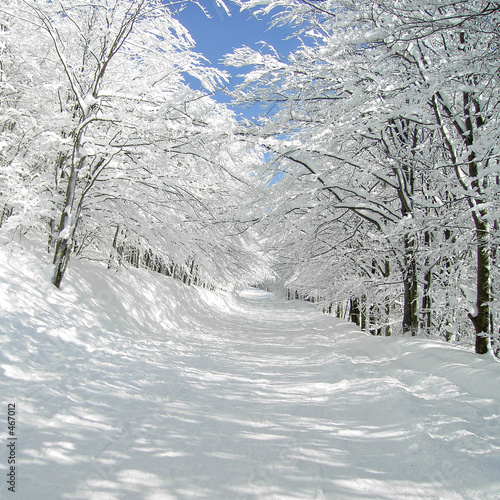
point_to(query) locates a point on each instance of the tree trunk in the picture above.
(115, 241)
(481, 320)
(364, 313)
(374, 320)
(50, 238)
(387, 301)
(427, 299)
(410, 308)
(6, 213)
(388, 328)
(354, 313)
(495, 337)
(66, 231)
(61, 259)
(427, 303)
(69, 216)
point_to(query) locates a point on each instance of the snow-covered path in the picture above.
(248, 397)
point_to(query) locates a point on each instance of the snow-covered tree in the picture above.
(103, 141)
(389, 110)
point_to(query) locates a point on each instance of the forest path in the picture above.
(251, 398)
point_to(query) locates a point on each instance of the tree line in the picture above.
(371, 179)
(383, 126)
(107, 152)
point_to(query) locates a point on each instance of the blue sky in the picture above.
(221, 33)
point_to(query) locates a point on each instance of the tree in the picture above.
(127, 155)
(454, 48)
(383, 101)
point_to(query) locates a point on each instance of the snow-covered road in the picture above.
(170, 393)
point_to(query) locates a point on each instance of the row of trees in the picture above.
(381, 130)
(384, 127)
(107, 152)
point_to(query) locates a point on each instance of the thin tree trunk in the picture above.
(410, 308)
(66, 231)
(50, 238)
(481, 320)
(426, 298)
(354, 312)
(388, 329)
(373, 318)
(364, 313)
(61, 258)
(115, 240)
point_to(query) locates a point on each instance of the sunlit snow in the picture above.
(130, 385)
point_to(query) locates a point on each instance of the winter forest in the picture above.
(272, 276)
(369, 184)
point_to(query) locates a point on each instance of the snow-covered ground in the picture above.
(129, 385)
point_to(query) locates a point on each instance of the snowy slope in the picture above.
(129, 385)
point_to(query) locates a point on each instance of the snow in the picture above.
(87, 102)
(129, 385)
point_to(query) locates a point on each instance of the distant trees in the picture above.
(104, 148)
(381, 138)
(385, 125)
